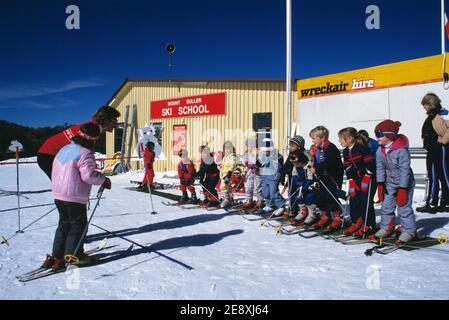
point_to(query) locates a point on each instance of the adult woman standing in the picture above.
(435, 135)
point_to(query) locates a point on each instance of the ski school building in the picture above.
(195, 112)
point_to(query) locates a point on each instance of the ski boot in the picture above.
(363, 231)
(336, 222)
(311, 216)
(354, 227)
(49, 261)
(429, 208)
(193, 199)
(405, 237)
(443, 207)
(142, 187)
(265, 211)
(248, 205)
(184, 198)
(301, 216)
(205, 202)
(278, 212)
(58, 264)
(389, 231)
(228, 201)
(213, 204)
(324, 220)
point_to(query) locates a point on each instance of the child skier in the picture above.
(72, 178)
(359, 167)
(238, 181)
(270, 163)
(186, 173)
(395, 181)
(328, 168)
(295, 144)
(306, 194)
(208, 175)
(148, 157)
(252, 177)
(228, 165)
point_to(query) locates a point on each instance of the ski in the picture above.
(44, 273)
(48, 272)
(157, 185)
(98, 248)
(389, 245)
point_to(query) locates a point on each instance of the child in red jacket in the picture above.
(148, 159)
(238, 181)
(186, 173)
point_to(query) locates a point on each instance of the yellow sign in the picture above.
(418, 71)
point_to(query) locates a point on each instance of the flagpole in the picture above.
(443, 28)
(289, 67)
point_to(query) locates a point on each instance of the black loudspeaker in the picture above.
(170, 48)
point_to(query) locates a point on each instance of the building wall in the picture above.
(242, 100)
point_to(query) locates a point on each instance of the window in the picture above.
(118, 133)
(262, 125)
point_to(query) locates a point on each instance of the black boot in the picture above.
(429, 208)
(444, 206)
(184, 198)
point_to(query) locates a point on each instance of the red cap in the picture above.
(389, 128)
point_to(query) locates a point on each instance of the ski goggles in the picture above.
(381, 134)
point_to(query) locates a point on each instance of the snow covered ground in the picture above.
(232, 258)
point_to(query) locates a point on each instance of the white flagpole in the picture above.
(289, 67)
(443, 29)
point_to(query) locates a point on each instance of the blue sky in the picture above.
(51, 75)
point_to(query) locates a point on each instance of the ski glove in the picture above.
(381, 191)
(107, 183)
(366, 180)
(353, 188)
(401, 197)
(182, 181)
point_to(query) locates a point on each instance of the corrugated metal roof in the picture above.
(193, 82)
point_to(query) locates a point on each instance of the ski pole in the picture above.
(72, 258)
(208, 191)
(146, 248)
(149, 191)
(18, 189)
(367, 208)
(285, 201)
(5, 241)
(327, 189)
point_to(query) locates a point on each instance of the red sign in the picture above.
(196, 106)
(179, 138)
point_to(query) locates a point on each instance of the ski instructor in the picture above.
(105, 117)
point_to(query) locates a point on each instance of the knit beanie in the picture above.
(299, 141)
(389, 128)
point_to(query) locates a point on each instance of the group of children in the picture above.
(314, 181)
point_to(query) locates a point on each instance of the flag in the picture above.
(446, 25)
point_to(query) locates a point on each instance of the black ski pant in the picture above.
(72, 221)
(358, 204)
(438, 175)
(45, 162)
(210, 183)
